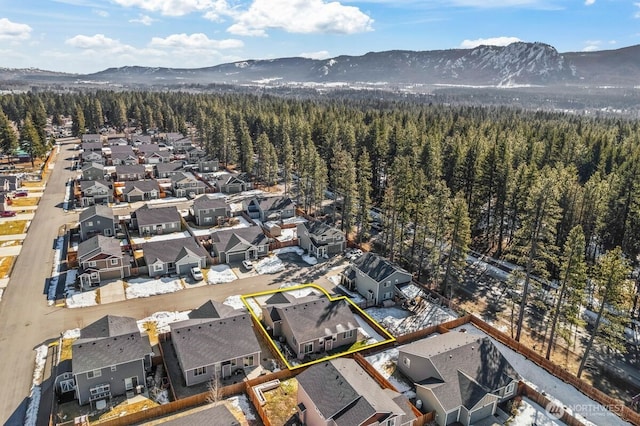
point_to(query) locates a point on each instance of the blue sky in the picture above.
(90, 35)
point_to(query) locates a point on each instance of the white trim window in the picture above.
(510, 388)
(94, 374)
(114, 261)
(158, 267)
(348, 334)
(200, 371)
(307, 348)
(248, 361)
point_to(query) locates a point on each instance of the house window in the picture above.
(113, 368)
(100, 389)
(92, 264)
(406, 361)
(248, 361)
(510, 389)
(390, 422)
(89, 223)
(387, 295)
(307, 348)
(234, 362)
(348, 334)
(158, 267)
(114, 261)
(387, 284)
(93, 374)
(200, 371)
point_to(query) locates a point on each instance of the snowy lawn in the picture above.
(162, 320)
(80, 300)
(355, 297)
(299, 251)
(400, 321)
(385, 362)
(372, 335)
(241, 402)
(269, 265)
(219, 274)
(34, 398)
(141, 287)
(555, 389)
(530, 413)
(236, 303)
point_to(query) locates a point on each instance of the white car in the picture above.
(248, 265)
(196, 273)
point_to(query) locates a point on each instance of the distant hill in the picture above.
(518, 64)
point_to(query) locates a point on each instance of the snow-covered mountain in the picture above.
(526, 64)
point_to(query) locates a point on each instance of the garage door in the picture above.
(481, 413)
(235, 257)
(184, 269)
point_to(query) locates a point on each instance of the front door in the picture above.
(226, 370)
(328, 344)
(131, 383)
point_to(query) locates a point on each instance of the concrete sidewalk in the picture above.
(16, 237)
(10, 251)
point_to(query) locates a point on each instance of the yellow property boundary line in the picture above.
(384, 332)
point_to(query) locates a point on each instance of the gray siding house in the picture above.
(157, 220)
(141, 190)
(340, 392)
(97, 219)
(311, 324)
(95, 192)
(92, 157)
(374, 277)
(110, 358)
(166, 170)
(271, 208)
(236, 245)
(233, 183)
(178, 257)
(210, 211)
(208, 166)
(185, 184)
(216, 341)
(101, 258)
(320, 240)
(92, 171)
(135, 172)
(460, 376)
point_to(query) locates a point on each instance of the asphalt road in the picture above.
(26, 320)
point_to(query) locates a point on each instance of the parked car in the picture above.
(7, 213)
(20, 194)
(196, 273)
(248, 265)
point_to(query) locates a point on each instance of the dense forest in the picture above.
(556, 194)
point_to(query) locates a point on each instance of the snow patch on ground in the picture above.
(300, 292)
(372, 335)
(220, 274)
(355, 297)
(140, 287)
(299, 251)
(385, 362)
(530, 413)
(269, 265)
(34, 398)
(55, 270)
(242, 403)
(73, 333)
(163, 319)
(401, 321)
(81, 300)
(234, 301)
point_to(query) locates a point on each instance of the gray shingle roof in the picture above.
(146, 185)
(160, 250)
(106, 245)
(318, 229)
(96, 210)
(376, 267)
(199, 343)
(276, 203)
(213, 309)
(157, 215)
(147, 148)
(470, 367)
(313, 319)
(168, 167)
(341, 390)
(109, 341)
(122, 150)
(206, 202)
(204, 416)
(239, 238)
(133, 169)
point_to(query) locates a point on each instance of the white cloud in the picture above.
(637, 14)
(143, 19)
(321, 54)
(13, 31)
(101, 13)
(492, 41)
(589, 2)
(99, 43)
(173, 7)
(300, 16)
(197, 41)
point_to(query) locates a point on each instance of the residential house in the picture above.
(97, 220)
(91, 137)
(166, 170)
(181, 145)
(110, 358)
(202, 415)
(138, 140)
(195, 153)
(208, 166)
(271, 208)
(101, 258)
(141, 190)
(171, 137)
(185, 184)
(236, 245)
(135, 172)
(210, 211)
(157, 157)
(117, 141)
(123, 156)
(232, 183)
(175, 258)
(340, 392)
(215, 342)
(93, 171)
(9, 183)
(460, 376)
(95, 192)
(156, 220)
(310, 324)
(92, 157)
(374, 277)
(319, 239)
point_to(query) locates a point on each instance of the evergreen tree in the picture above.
(458, 242)
(364, 194)
(613, 291)
(30, 140)
(8, 137)
(78, 124)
